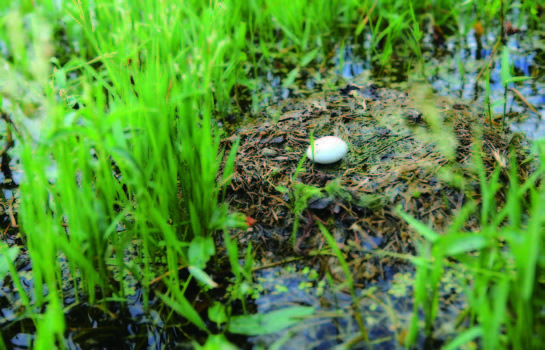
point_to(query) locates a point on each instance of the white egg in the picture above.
(327, 150)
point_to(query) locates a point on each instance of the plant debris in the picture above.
(409, 149)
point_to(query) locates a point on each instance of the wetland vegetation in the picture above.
(156, 192)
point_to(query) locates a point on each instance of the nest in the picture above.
(411, 150)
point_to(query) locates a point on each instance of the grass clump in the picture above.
(136, 164)
(504, 296)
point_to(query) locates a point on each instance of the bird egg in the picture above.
(327, 150)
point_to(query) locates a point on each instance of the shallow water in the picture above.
(445, 76)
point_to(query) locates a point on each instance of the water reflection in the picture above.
(473, 56)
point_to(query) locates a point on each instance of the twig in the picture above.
(526, 102)
(157, 279)
(278, 263)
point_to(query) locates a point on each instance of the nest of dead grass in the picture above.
(407, 149)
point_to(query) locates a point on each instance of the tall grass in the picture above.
(504, 299)
(140, 162)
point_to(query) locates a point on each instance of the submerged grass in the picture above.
(137, 164)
